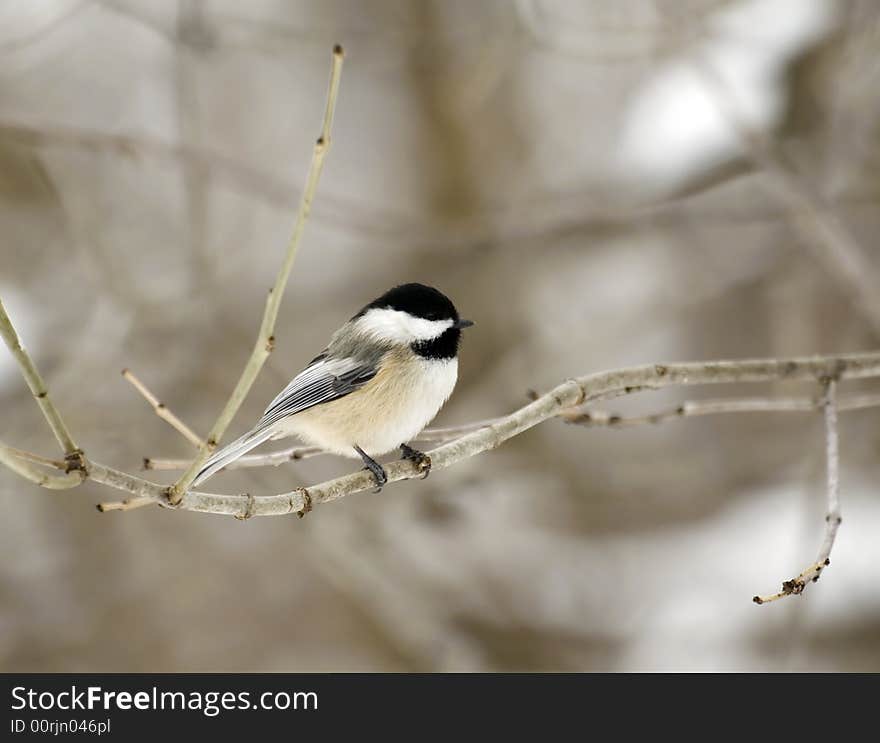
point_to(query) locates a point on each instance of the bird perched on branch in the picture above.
(383, 377)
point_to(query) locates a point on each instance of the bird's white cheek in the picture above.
(400, 327)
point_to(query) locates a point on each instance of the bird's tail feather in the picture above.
(231, 452)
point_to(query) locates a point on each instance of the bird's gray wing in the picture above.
(321, 381)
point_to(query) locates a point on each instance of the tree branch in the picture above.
(265, 339)
(799, 583)
(268, 459)
(38, 390)
(580, 416)
(695, 408)
(162, 410)
(561, 400)
(28, 456)
(570, 394)
(12, 458)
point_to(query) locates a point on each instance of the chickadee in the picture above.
(384, 376)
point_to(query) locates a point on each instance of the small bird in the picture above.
(383, 377)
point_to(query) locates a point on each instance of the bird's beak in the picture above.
(462, 324)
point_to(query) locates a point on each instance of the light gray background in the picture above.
(550, 167)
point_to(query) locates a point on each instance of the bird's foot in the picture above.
(421, 460)
(378, 473)
(374, 468)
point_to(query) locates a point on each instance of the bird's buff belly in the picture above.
(391, 410)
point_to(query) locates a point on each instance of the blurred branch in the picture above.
(265, 339)
(833, 244)
(50, 26)
(191, 24)
(798, 584)
(809, 212)
(600, 43)
(38, 390)
(524, 223)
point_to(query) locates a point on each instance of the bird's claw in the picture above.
(374, 468)
(421, 460)
(378, 473)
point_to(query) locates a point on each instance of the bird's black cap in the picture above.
(416, 299)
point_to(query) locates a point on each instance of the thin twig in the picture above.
(253, 460)
(295, 453)
(265, 338)
(125, 505)
(12, 458)
(580, 416)
(269, 459)
(29, 456)
(445, 433)
(694, 408)
(38, 387)
(832, 455)
(162, 410)
(798, 584)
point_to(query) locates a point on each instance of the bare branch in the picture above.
(12, 459)
(162, 410)
(831, 241)
(695, 408)
(37, 386)
(125, 505)
(581, 416)
(254, 460)
(832, 455)
(265, 338)
(269, 459)
(446, 433)
(798, 584)
(572, 393)
(28, 456)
